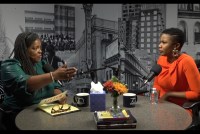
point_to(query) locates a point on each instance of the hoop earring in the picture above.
(175, 53)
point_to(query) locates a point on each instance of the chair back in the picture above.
(195, 107)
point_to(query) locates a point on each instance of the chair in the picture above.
(1, 92)
(2, 127)
(195, 106)
(1, 87)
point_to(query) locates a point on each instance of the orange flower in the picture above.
(115, 87)
(108, 85)
(120, 88)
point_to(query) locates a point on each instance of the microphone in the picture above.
(48, 68)
(155, 70)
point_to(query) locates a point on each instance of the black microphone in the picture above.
(48, 68)
(154, 71)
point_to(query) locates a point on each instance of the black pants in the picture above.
(7, 120)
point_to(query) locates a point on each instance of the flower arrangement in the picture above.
(115, 87)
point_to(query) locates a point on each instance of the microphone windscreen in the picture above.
(48, 68)
(156, 69)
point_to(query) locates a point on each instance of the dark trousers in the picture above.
(7, 120)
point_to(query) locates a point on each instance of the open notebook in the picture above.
(49, 106)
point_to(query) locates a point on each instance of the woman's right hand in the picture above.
(64, 73)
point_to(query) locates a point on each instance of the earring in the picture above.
(175, 53)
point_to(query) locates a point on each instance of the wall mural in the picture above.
(56, 28)
(4, 49)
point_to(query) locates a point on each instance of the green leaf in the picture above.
(114, 79)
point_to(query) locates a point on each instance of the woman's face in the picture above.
(166, 45)
(35, 51)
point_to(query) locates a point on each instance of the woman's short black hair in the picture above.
(177, 34)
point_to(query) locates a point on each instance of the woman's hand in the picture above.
(71, 72)
(64, 73)
(62, 100)
(164, 97)
(169, 95)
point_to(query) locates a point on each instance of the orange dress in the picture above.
(181, 76)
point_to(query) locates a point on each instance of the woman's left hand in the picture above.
(63, 100)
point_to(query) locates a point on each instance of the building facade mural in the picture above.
(128, 44)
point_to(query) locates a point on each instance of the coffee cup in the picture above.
(129, 99)
(81, 99)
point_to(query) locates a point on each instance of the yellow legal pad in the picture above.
(50, 106)
(57, 109)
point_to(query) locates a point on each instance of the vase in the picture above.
(115, 109)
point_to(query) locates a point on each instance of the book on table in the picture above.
(106, 121)
(107, 116)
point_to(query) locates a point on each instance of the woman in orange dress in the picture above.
(179, 79)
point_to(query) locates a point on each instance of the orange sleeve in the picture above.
(193, 78)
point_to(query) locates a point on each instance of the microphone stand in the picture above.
(116, 71)
(138, 92)
(92, 73)
(93, 70)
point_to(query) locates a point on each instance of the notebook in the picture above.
(58, 109)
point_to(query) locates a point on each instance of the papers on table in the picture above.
(49, 105)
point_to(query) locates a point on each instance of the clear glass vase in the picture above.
(115, 109)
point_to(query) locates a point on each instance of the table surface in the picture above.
(162, 116)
